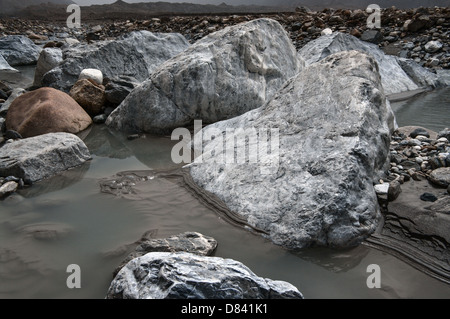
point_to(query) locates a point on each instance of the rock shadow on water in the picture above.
(152, 151)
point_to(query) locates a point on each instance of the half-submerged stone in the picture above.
(36, 158)
(223, 75)
(316, 186)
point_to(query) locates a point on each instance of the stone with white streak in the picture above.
(163, 275)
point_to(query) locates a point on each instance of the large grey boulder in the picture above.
(316, 186)
(136, 54)
(19, 50)
(162, 275)
(36, 158)
(4, 66)
(48, 59)
(223, 75)
(394, 77)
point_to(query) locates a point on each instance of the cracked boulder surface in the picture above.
(416, 231)
(333, 138)
(223, 75)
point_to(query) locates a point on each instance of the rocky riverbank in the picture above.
(339, 146)
(420, 34)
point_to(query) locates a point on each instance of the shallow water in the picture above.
(430, 110)
(89, 227)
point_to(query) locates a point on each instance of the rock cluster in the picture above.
(404, 33)
(419, 154)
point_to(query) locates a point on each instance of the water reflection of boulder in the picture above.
(152, 151)
(56, 183)
(341, 260)
(101, 142)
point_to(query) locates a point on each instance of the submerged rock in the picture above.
(40, 157)
(393, 77)
(225, 74)
(19, 50)
(162, 275)
(189, 242)
(46, 110)
(334, 129)
(136, 54)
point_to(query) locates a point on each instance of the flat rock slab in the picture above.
(43, 156)
(162, 275)
(190, 242)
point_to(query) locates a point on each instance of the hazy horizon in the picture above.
(382, 3)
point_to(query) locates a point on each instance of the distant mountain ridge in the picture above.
(13, 6)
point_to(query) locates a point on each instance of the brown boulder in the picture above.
(89, 95)
(46, 110)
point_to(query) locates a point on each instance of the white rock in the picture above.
(381, 189)
(71, 41)
(326, 31)
(92, 74)
(433, 46)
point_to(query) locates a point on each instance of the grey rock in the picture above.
(19, 50)
(433, 46)
(12, 135)
(420, 75)
(99, 119)
(444, 133)
(393, 76)
(419, 131)
(2, 125)
(48, 59)
(162, 275)
(8, 188)
(136, 54)
(394, 190)
(5, 67)
(225, 74)
(441, 176)
(428, 197)
(118, 88)
(43, 156)
(443, 76)
(189, 242)
(14, 94)
(45, 231)
(372, 36)
(334, 135)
